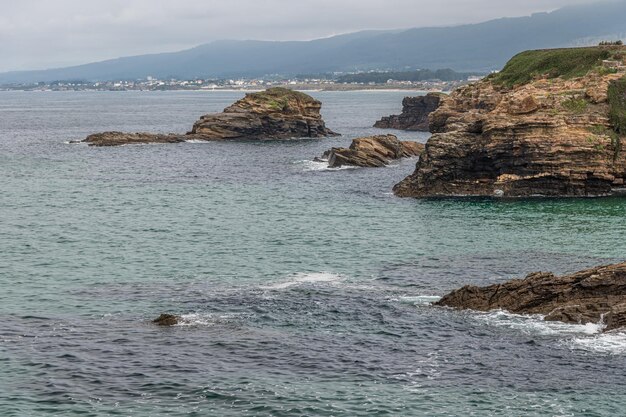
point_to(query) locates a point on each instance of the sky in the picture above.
(40, 34)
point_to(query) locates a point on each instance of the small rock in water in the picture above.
(166, 320)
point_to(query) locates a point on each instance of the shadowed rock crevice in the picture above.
(415, 112)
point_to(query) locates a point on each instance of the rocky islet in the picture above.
(276, 113)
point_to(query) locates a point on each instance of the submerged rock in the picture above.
(591, 296)
(415, 112)
(166, 320)
(372, 151)
(277, 113)
(512, 135)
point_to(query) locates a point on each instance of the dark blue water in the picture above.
(305, 291)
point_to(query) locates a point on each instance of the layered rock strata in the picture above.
(547, 137)
(596, 295)
(277, 113)
(415, 112)
(372, 152)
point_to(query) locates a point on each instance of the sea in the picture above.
(304, 291)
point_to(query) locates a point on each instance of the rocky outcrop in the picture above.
(415, 111)
(591, 296)
(546, 137)
(277, 113)
(121, 138)
(166, 320)
(372, 151)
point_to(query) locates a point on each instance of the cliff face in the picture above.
(415, 111)
(590, 296)
(549, 136)
(277, 113)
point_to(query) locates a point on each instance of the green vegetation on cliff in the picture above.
(617, 111)
(278, 98)
(277, 93)
(554, 63)
(617, 103)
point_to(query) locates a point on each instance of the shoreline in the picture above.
(234, 90)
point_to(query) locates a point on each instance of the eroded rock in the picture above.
(372, 151)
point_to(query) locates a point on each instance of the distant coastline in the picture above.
(175, 85)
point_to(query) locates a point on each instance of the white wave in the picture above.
(196, 141)
(613, 343)
(320, 166)
(419, 299)
(535, 324)
(306, 278)
(205, 319)
(587, 337)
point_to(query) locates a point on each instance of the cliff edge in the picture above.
(549, 124)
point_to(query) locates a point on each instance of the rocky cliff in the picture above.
(372, 152)
(540, 127)
(415, 112)
(277, 113)
(591, 296)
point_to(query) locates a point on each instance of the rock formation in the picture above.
(277, 113)
(415, 111)
(548, 136)
(591, 296)
(121, 138)
(372, 151)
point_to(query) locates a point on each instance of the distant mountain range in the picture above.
(470, 48)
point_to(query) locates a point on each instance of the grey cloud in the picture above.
(43, 34)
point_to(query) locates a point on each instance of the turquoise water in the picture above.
(306, 290)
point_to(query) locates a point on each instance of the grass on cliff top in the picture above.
(278, 93)
(565, 63)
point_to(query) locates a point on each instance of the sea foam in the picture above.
(320, 166)
(305, 278)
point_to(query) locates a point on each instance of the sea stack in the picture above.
(550, 124)
(276, 113)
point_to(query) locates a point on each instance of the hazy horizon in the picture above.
(64, 33)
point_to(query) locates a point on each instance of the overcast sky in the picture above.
(38, 34)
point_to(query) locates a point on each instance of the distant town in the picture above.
(325, 83)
